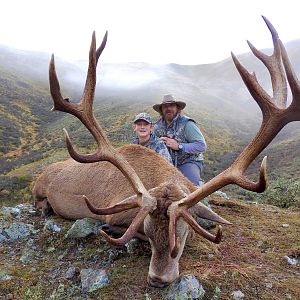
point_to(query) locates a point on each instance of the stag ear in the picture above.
(202, 211)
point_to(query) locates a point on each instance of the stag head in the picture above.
(165, 213)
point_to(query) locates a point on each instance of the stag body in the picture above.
(159, 201)
(63, 184)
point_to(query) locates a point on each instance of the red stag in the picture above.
(159, 204)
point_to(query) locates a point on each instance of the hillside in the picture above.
(31, 136)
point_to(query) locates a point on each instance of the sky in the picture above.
(156, 31)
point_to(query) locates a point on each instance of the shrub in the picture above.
(281, 192)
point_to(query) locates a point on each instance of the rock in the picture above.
(259, 243)
(27, 256)
(206, 224)
(4, 276)
(92, 280)
(221, 194)
(72, 272)
(10, 211)
(291, 260)
(114, 253)
(285, 225)
(18, 231)
(9, 297)
(27, 209)
(29, 253)
(132, 246)
(3, 238)
(237, 295)
(51, 226)
(269, 285)
(185, 287)
(83, 228)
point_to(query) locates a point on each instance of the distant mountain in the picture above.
(215, 94)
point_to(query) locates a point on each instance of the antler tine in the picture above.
(131, 230)
(293, 82)
(274, 65)
(174, 242)
(64, 105)
(60, 103)
(129, 203)
(258, 93)
(275, 117)
(90, 84)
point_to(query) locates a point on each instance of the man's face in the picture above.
(142, 128)
(169, 111)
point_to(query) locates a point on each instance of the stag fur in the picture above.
(64, 183)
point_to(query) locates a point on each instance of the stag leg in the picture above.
(45, 206)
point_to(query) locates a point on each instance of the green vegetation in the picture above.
(281, 192)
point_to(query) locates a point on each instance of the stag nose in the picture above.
(157, 282)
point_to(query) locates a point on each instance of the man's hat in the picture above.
(169, 99)
(143, 116)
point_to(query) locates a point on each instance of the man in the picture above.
(142, 126)
(183, 138)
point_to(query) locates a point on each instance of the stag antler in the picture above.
(105, 151)
(275, 116)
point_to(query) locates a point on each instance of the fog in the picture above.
(118, 76)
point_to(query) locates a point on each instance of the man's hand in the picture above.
(171, 143)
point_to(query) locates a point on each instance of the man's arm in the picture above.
(196, 141)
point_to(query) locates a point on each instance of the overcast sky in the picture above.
(154, 31)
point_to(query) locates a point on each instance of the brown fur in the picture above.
(64, 183)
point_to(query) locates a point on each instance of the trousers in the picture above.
(192, 170)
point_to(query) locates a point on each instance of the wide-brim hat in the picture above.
(169, 99)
